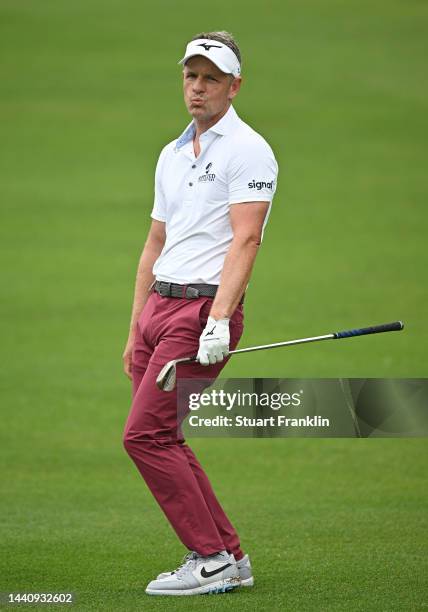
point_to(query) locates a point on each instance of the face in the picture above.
(207, 90)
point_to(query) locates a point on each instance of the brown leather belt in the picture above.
(189, 292)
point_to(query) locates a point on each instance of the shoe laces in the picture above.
(188, 562)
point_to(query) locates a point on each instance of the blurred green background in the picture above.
(90, 92)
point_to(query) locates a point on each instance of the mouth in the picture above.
(196, 101)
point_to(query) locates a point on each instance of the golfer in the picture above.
(214, 186)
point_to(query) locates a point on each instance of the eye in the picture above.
(211, 78)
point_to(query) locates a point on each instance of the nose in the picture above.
(198, 85)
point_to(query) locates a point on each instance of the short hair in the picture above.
(224, 37)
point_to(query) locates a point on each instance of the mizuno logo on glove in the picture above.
(214, 341)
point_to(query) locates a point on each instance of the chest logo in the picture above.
(208, 176)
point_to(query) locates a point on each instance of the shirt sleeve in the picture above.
(253, 173)
(159, 206)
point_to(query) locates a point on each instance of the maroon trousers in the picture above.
(169, 328)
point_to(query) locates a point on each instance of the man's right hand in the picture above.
(127, 358)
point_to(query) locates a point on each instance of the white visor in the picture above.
(221, 55)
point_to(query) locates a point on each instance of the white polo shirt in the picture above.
(193, 196)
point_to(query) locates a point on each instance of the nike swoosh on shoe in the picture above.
(207, 574)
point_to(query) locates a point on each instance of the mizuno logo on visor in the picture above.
(207, 47)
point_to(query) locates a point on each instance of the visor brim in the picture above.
(219, 65)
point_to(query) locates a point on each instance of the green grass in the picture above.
(90, 92)
(329, 524)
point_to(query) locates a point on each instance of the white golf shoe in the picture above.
(197, 575)
(245, 571)
(244, 568)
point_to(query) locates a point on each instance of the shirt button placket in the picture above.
(191, 182)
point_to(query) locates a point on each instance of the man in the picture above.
(213, 191)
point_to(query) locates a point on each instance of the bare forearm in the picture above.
(143, 282)
(236, 273)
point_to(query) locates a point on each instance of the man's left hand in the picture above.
(214, 342)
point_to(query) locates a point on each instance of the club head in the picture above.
(167, 377)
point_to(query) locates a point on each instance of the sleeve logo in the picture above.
(260, 184)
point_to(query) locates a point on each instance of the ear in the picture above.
(235, 86)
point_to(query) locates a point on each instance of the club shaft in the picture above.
(362, 331)
(286, 343)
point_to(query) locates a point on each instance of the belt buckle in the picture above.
(164, 289)
(191, 293)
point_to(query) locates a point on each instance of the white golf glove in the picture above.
(214, 341)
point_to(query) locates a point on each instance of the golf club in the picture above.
(168, 375)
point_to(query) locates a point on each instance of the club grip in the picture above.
(376, 329)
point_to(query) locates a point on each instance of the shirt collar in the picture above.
(222, 127)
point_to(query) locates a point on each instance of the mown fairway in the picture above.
(90, 92)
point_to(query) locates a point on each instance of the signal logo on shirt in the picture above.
(260, 184)
(208, 176)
